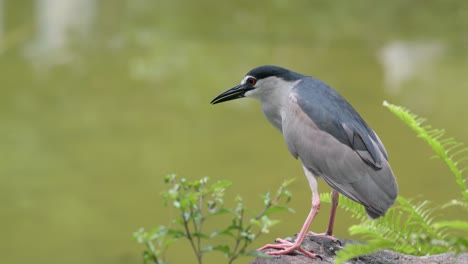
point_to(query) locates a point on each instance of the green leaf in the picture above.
(221, 211)
(200, 235)
(221, 248)
(454, 202)
(275, 209)
(266, 199)
(140, 236)
(166, 244)
(264, 223)
(169, 178)
(227, 231)
(176, 233)
(220, 185)
(455, 224)
(286, 183)
(248, 235)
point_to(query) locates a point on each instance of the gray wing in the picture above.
(333, 114)
(333, 142)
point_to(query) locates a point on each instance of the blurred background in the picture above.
(100, 99)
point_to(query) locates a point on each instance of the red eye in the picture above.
(252, 81)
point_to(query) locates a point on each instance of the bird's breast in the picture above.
(297, 127)
(273, 115)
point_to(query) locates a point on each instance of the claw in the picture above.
(286, 248)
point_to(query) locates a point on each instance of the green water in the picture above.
(100, 100)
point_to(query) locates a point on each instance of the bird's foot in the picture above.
(286, 248)
(325, 235)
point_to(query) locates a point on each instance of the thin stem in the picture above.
(239, 232)
(189, 237)
(200, 227)
(235, 254)
(153, 255)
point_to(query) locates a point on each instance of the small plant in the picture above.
(411, 227)
(197, 203)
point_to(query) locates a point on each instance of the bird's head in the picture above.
(260, 83)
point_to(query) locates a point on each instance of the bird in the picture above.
(328, 136)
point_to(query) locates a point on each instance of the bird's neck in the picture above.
(274, 102)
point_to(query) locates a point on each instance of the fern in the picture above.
(355, 250)
(410, 227)
(356, 210)
(447, 149)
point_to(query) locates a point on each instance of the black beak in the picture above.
(235, 92)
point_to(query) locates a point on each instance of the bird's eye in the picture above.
(252, 81)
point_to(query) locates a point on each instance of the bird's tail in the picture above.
(372, 214)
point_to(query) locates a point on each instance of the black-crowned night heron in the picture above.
(331, 139)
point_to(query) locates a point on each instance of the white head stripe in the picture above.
(245, 79)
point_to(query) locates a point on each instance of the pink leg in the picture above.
(286, 246)
(331, 222)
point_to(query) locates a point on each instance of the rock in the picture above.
(327, 249)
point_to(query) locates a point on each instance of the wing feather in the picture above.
(334, 115)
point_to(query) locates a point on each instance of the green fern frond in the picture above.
(325, 197)
(357, 211)
(406, 228)
(355, 250)
(405, 225)
(446, 149)
(456, 224)
(454, 202)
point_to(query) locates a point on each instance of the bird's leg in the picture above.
(331, 222)
(286, 246)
